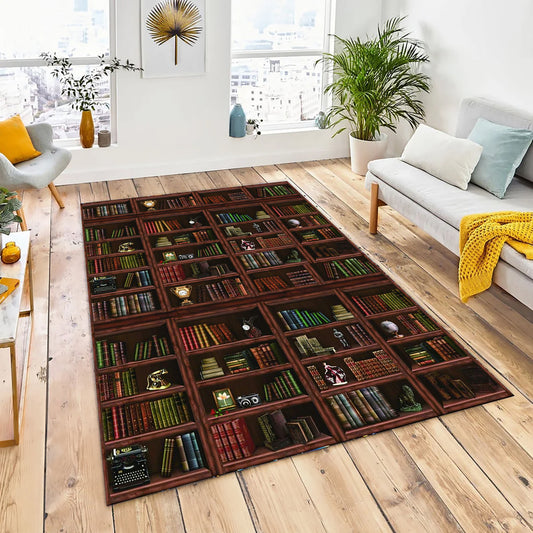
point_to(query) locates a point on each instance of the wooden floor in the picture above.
(468, 471)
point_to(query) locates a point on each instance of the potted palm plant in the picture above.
(375, 84)
(9, 204)
(84, 89)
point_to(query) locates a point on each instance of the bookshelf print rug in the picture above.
(237, 326)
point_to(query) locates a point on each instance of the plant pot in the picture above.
(250, 128)
(86, 129)
(362, 152)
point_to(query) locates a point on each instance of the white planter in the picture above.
(250, 128)
(362, 152)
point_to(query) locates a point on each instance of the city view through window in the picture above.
(69, 28)
(275, 44)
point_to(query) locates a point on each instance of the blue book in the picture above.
(298, 319)
(289, 320)
(196, 448)
(189, 451)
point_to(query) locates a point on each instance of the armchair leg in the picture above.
(23, 224)
(375, 203)
(56, 195)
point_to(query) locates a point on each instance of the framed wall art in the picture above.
(172, 38)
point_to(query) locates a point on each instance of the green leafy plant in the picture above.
(9, 204)
(83, 89)
(376, 82)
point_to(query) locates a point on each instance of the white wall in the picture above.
(178, 125)
(477, 48)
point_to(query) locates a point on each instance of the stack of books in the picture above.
(310, 346)
(341, 313)
(209, 368)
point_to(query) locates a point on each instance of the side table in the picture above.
(10, 312)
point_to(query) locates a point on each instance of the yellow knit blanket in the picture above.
(481, 241)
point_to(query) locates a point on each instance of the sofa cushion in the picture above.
(450, 204)
(443, 156)
(503, 150)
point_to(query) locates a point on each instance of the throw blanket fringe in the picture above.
(481, 241)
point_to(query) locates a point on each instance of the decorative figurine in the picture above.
(334, 375)
(247, 245)
(249, 329)
(293, 257)
(182, 292)
(157, 381)
(390, 329)
(126, 247)
(195, 222)
(257, 227)
(293, 223)
(408, 403)
(341, 338)
(149, 204)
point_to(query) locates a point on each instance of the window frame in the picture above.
(327, 46)
(83, 61)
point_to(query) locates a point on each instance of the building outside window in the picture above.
(275, 44)
(79, 29)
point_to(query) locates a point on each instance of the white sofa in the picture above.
(438, 207)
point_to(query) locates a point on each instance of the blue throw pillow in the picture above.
(503, 151)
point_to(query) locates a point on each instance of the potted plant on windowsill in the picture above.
(84, 89)
(9, 205)
(375, 84)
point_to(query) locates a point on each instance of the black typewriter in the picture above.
(129, 467)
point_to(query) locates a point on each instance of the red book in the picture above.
(184, 340)
(225, 442)
(116, 428)
(242, 433)
(233, 442)
(218, 444)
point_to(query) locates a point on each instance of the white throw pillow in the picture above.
(446, 157)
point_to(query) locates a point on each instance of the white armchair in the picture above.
(38, 172)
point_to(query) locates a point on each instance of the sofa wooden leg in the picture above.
(374, 206)
(56, 195)
(23, 224)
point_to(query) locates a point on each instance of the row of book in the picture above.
(182, 450)
(274, 190)
(318, 234)
(141, 278)
(300, 277)
(226, 196)
(227, 218)
(221, 290)
(119, 306)
(434, 350)
(307, 220)
(278, 432)
(117, 385)
(204, 335)
(270, 283)
(347, 268)
(260, 356)
(323, 251)
(292, 319)
(382, 302)
(100, 248)
(99, 233)
(210, 250)
(360, 334)
(180, 201)
(161, 226)
(106, 210)
(233, 440)
(109, 264)
(260, 260)
(381, 364)
(274, 242)
(128, 420)
(113, 353)
(361, 407)
(416, 322)
(283, 386)
(296, 209)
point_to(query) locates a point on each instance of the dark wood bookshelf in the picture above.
(294, 266)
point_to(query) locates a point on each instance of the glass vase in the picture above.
(87, 129)
(10, 253)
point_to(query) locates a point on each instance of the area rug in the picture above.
(237, 326)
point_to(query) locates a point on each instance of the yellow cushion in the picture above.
(15, 142)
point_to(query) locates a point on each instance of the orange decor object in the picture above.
(87, 129)
(10, 253)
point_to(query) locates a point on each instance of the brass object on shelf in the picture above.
(149, 204)
(183, 292)
(157, 381)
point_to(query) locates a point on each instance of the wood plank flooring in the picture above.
(470, 471)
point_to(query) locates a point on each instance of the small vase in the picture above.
(250, 128)
(11, 253)
(87, 129)
(237, 122)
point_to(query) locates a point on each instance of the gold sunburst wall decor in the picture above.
(178, 19)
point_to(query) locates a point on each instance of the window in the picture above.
(75, 28)
(275, 44)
